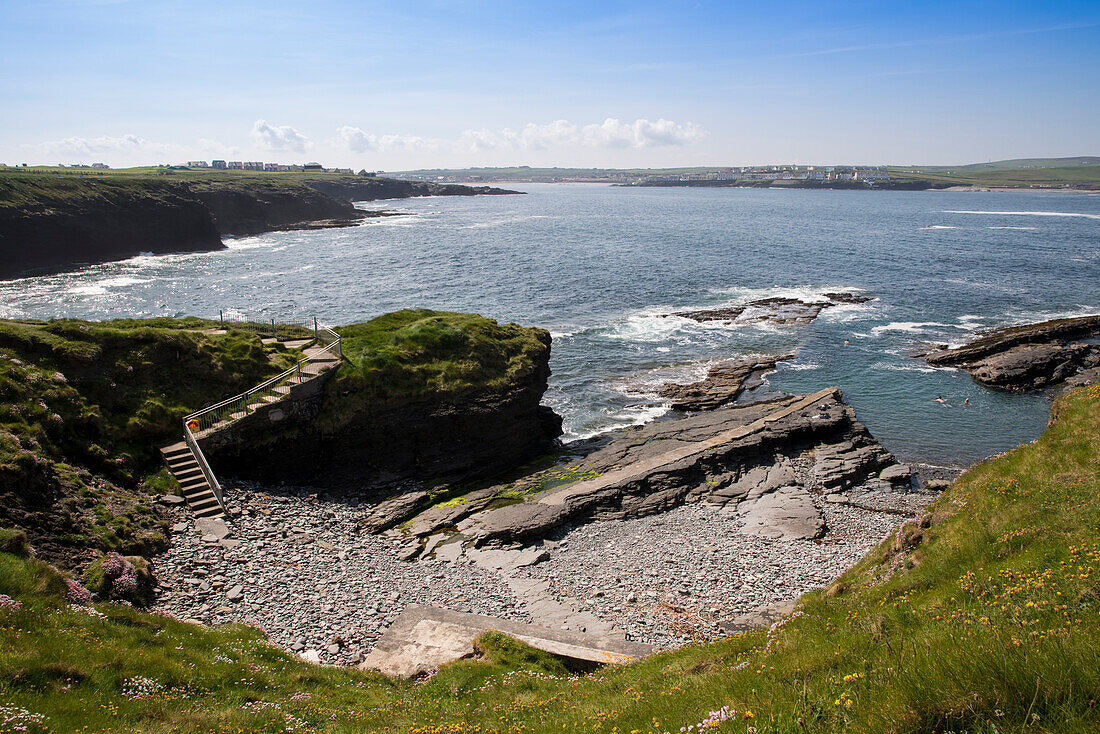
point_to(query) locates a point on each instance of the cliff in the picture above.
(426, 395)
(48, 224)
(54, 222)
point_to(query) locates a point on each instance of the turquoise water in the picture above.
(600, 266)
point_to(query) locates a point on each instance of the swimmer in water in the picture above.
(941, 401)
(846, 341)
(966, 402)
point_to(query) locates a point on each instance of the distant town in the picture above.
(642, 177)
(220, 165)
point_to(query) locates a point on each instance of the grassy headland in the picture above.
(981, 616)
(84, 407)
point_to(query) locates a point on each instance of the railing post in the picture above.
(316, 331)
(221, 317)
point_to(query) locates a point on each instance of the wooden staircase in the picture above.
(196, 490)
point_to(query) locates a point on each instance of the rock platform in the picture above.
(1030, 357)
(424, 638)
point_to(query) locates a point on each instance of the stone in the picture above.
(235, 594)
(424, 638)
(760, 618)
(786, 514)
(723, 384)
(171, 499)
(181, 527)
(214, 526)
(311, 656)
(229, 543)
(897, 474)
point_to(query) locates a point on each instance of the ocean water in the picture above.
(602, 267)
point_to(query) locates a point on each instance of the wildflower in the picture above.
(77, 594)
(6, 602)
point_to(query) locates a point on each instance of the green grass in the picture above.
(43, 187)
(83, 408)
(1084, 177)
(421, 353)
(981, 617)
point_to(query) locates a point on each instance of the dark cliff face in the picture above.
(359, 436)
(51, 223)
(101, 220)
(252, 208)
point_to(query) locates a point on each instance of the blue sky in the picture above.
(394, 85)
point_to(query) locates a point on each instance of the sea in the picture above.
(603, 267)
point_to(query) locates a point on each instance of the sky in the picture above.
(396, 85)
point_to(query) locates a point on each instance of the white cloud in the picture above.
(556, 135)
(642, 133)
(611, 133)
(104, 145)
(358, 141)
(279, 137)
(217, 148)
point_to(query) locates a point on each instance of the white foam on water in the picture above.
(800, 366)
(843, 313)
(909, 327)
(804, 293)
(664, 349)
(1030, 229)
(1025, 214)
(624, 418)
(926, 369)
(938, 226)
(121, 281)
(87, 290)
(1030, 317)
(650, 326)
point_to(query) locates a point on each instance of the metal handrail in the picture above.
(236, 407)
(207, 472)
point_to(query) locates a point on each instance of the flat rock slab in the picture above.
(212, 526)
(786, 514)
(423, 638)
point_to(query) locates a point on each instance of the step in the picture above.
(204, 503)
(194, 486)
(183, 465)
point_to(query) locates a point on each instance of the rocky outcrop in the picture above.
(386, 441)
(258, 207)
(723, 384)
(776, 310)
(796, 448)
(349, 188)
(1029, 357)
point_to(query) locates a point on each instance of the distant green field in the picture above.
(1087, 177)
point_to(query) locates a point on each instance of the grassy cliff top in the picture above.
(418, 352)
(979, 617)
(23, 188)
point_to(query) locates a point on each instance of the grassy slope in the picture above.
(83, 406)
(984, 621)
